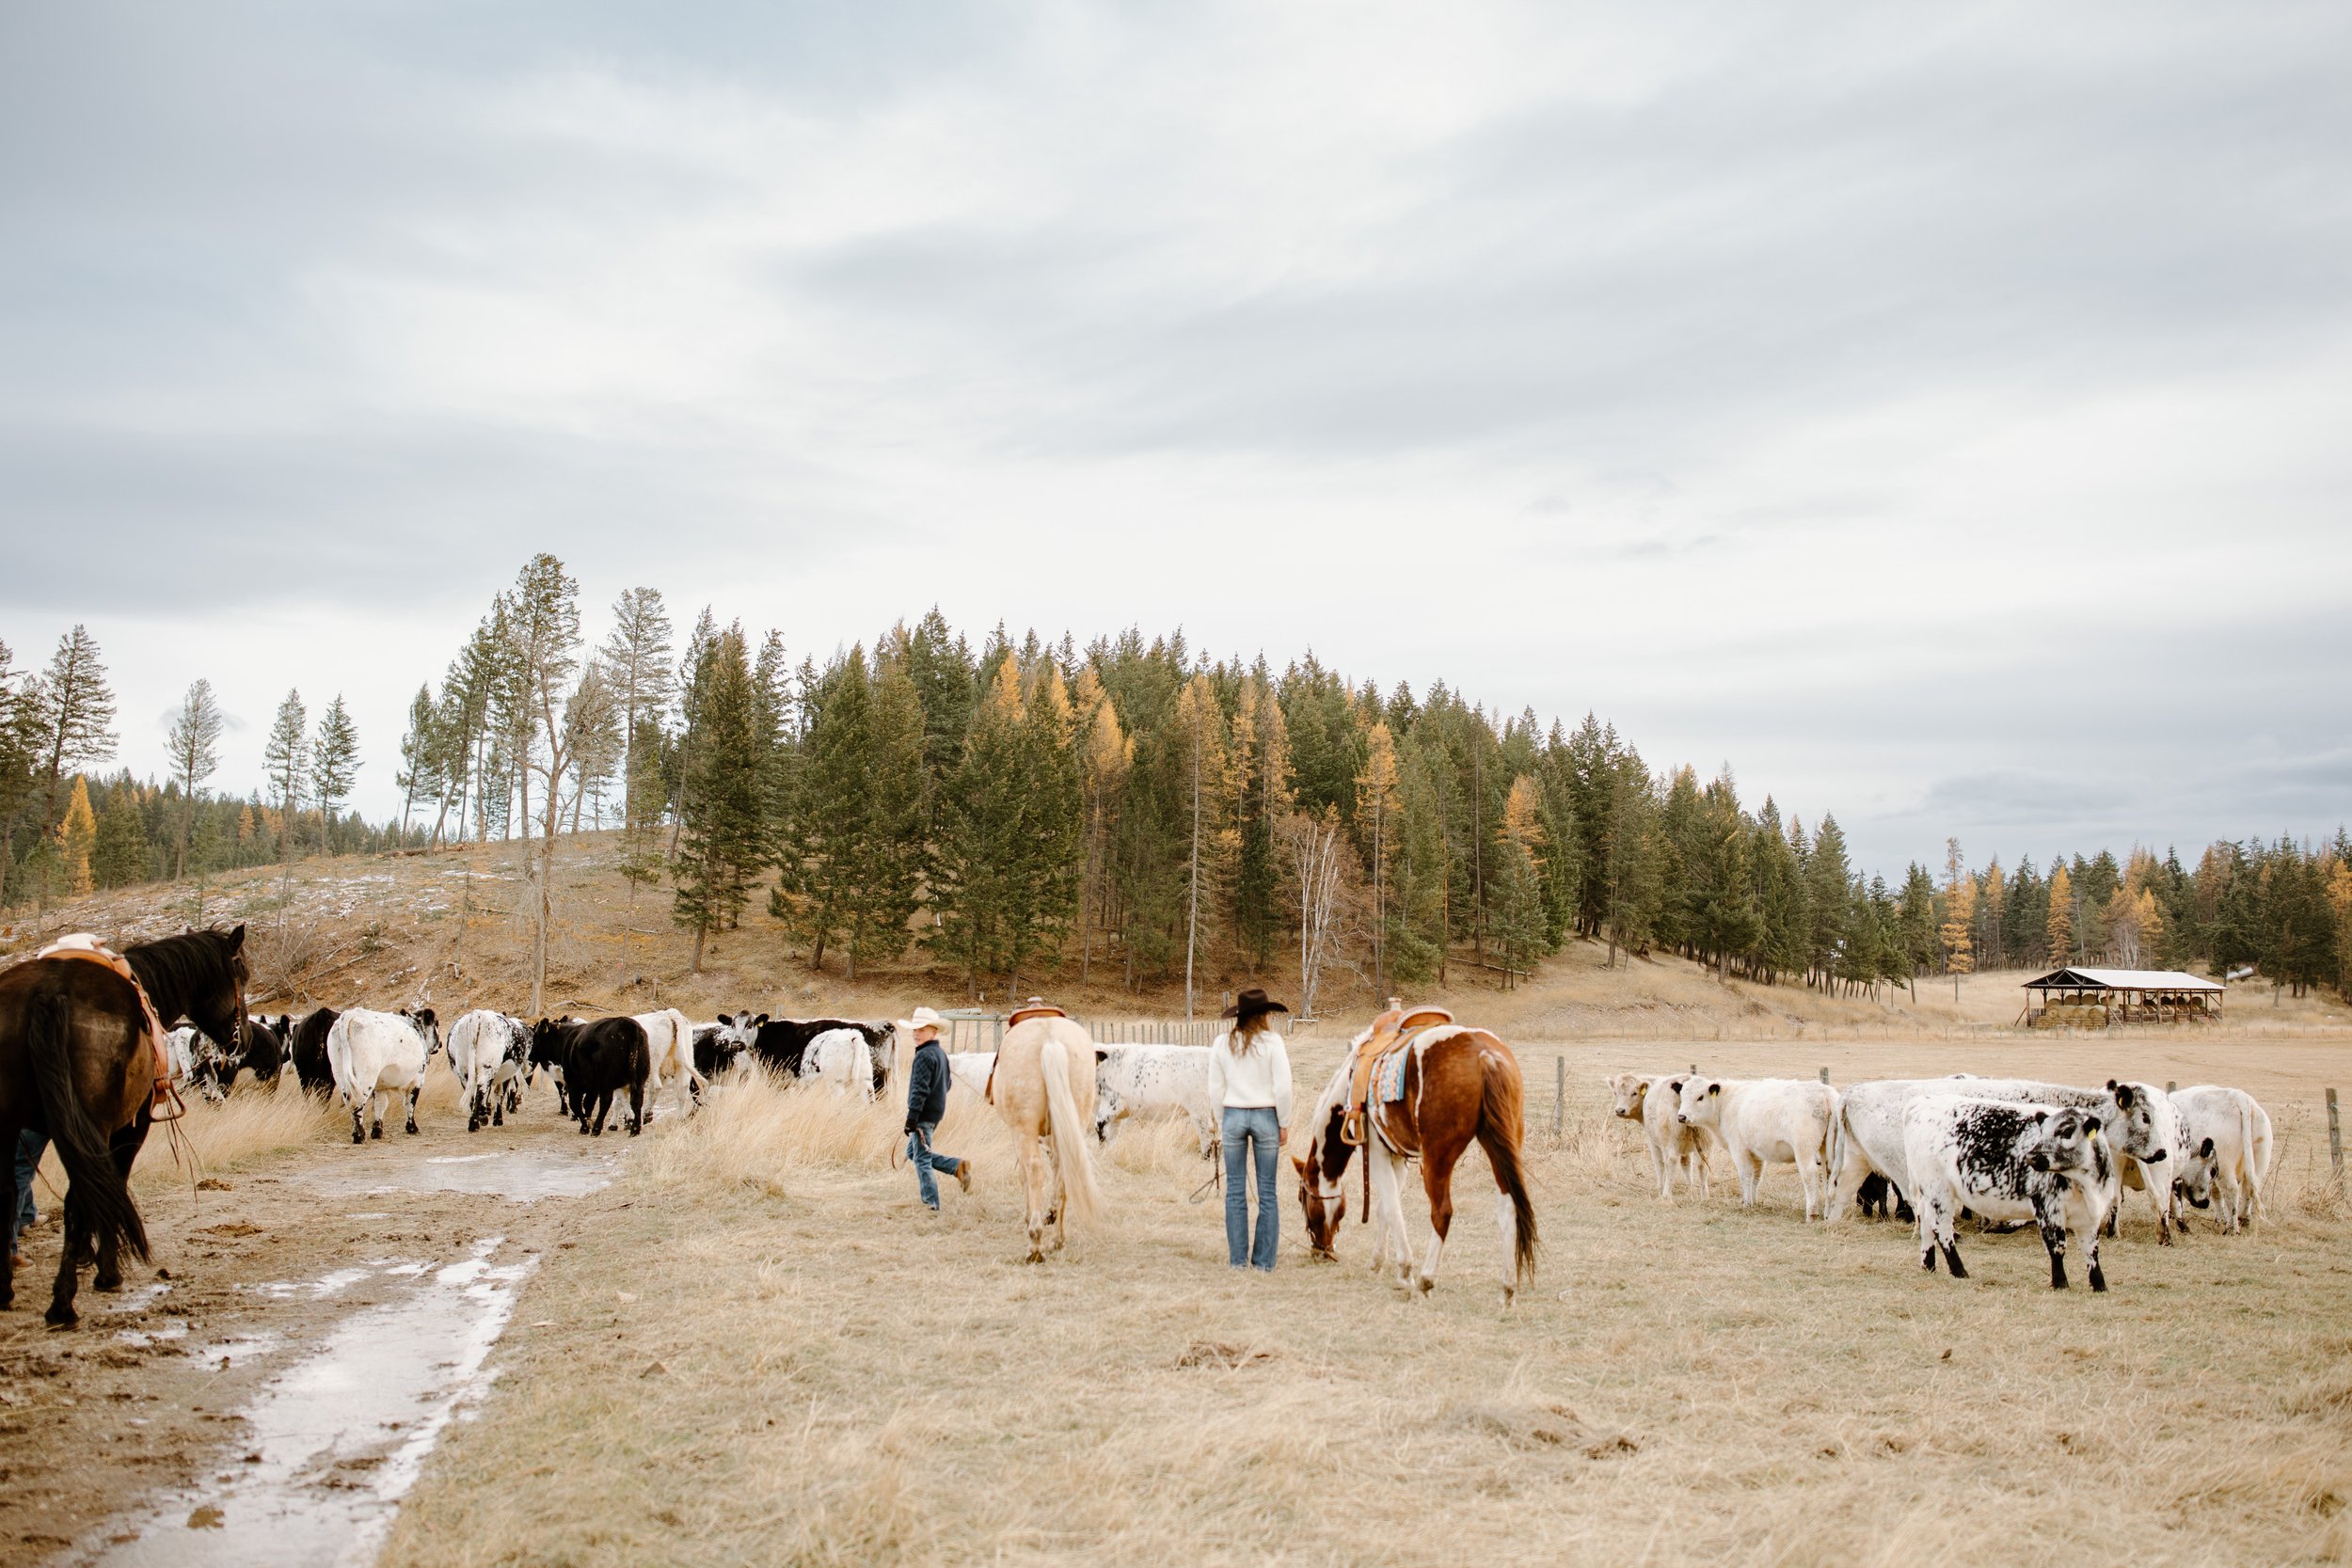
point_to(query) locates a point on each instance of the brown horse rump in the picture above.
(83, 945)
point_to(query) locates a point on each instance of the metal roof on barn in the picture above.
(2121, 979)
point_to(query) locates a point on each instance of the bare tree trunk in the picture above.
(1192, 914)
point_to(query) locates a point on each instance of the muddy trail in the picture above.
(266, 1389)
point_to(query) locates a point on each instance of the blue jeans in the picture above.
(1251, 1131)
(920, 1156)
(30, 1147)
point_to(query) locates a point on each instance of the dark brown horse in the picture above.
(76, 1065)
(1461, 1086)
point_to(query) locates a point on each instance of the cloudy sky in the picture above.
(1940, 414)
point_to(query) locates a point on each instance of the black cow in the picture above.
(593, 1062)
(264, 1052)
(308, 1050)
(783, 1043)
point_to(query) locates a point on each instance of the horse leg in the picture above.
(1389, 1242)
(8, 1136)
(1436, 1180)
(1035, 1190)
(77, 1238)
(1046, 1154)
(127, 1143)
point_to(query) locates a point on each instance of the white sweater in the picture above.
(1260, 1079)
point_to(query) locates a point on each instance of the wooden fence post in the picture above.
(1825, 1075)
(2335, 1138)
(1559, 1090)
(2172, 1086)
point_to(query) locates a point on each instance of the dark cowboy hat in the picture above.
(1252, 1003)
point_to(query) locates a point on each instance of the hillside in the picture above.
(449, 928)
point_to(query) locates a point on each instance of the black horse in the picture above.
(75, 1064)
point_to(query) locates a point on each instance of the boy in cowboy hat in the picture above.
(927, 1080)
(1249, 1082)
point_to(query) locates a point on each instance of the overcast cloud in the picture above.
(1939, 415)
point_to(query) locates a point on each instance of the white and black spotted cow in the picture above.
(2142, 1131)
(376, 1055)
(489, 1052)
(2008, 1161)
(719, 1042)
(1138, 1079)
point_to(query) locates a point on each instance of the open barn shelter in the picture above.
(2095, 998)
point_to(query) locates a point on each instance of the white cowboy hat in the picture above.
(924, 1019)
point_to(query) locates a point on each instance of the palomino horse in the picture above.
(1459, 1085)
(1045, 1074)
(75, 1063)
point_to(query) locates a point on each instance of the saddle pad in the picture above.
(1388, 1075)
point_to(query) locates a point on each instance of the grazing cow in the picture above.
(1766, 1119)
(2168, 1146)
(594, 1061)
(2229, 1134)
(969, 1070)
(376, 1055)
(718, 1043)
(308, 1050)
(264, 1052)
(842, 1058)
(671, 1039)
(2008, 1161)
(198, 1062)
(782, 1045)
(1132, 1079)
(488, 1052)
(1653, 1099)
(180, 1052)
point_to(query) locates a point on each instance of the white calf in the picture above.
(969, 1069)
(375, 1056)
(1766, 1119)
(842, 1058)
(487, 1052)
(1653, 1099)
(2228, 1139)
(1131, 1080)
(670, 1038)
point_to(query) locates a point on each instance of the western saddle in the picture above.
(1394, 1027)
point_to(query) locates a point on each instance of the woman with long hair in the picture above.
(1250, 1081)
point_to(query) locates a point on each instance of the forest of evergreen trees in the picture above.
(1129, 809)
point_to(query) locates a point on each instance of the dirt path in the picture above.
(266, 1390)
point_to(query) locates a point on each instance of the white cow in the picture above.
(488, 1052)
(2229, 1137)
(670, 1038)
(375, 1056)
(969, 1070)
(2008, 1161)
(842, 1058)
(1653, 1099)
(1866, 1140)
(1762, 1120)
(1130, 1080)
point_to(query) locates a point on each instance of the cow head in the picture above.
(428, 1028)
(2194, 1181)
(2067, 1143)
(1700, 1103)
(1322, 1194)
(1630, 1090)
(2143, 1124)
(1109, 1105)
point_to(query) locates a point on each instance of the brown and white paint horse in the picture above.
(1461, 1086)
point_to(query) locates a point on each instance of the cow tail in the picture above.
(1500, 1122)
(1080, 1199)
(92, 1183)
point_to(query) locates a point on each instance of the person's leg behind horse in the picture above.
(1262, 1135)
(1236, 1135)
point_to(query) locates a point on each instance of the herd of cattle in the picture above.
(2011, 1151)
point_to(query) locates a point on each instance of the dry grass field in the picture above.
(757, 1347)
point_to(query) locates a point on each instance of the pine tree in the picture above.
(1959, 898)
(77, 841)
(1518, 916)
(118, 856)
(73, 714)
(721, 828)
(18, 749)
(287, 758)
(1375, 823)
(982, 836)
(420, 753)
(826, 854)
(2059, 930)
(897, 813)
(1205, 759)
(636, 658)
(1109, 757)
(195, 740)
(334, 766)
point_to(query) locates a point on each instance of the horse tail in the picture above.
(92, 1183)
(1500, 1122)
(1082, 1200)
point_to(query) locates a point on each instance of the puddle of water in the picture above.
(522, 1174)
(326, 1284)
(140, 1298)
(242, 1347)
(171, 1328)
(342, 1435)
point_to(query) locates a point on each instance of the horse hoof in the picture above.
(110, 1283)
(61, 1317)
